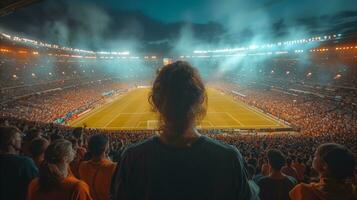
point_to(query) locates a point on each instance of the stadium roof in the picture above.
(9, 6)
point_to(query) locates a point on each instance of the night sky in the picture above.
(159, 25)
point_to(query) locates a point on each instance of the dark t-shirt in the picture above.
(206, 170)
(275, 189)
(16, 172)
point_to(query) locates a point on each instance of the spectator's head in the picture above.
(10, 139)
(276, 159)
(78, 134)
(58, 154)
(288, 162)
(33, 133)
(334, 161)
(38, 147)
(251, 171)
(98, 145)
(299, 160)
(55, 137)
(179, 95)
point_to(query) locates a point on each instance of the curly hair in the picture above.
(179, 96)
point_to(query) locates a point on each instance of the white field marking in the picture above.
(215, 112)
(210, 123)
(276, 122)
(226, 126)
(236, 120)
(247, 107)
(94, 111)
(110, 121)
(138, 113)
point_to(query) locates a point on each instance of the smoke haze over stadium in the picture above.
(162, 26)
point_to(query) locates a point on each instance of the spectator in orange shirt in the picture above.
(37, 149)
(98, 171)
(78, 144)
(54, 183)
(336, 165)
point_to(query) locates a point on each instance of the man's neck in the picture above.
(182, 140)
(98, 158)
(276, 174)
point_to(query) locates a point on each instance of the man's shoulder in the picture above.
(263, 180)
(205, 142)
(17, 159)
(292, 180)
(220, 147)
(140, 146)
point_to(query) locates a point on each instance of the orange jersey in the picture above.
(77, 161)
(98, 175)
(300, 169)
(323, 190)
(69, 188)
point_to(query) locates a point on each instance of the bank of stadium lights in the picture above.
(280, 43)
(4, 50)
(346, 48)
(113, 53)
(319, 50)
(53, 46)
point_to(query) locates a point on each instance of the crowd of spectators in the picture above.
(314, 115)
(61, 162)
(297, 149)
(50, 106)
